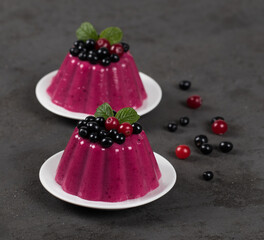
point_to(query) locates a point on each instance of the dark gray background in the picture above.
(218, 45)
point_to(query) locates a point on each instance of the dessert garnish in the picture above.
(104, 48)
(108, 127)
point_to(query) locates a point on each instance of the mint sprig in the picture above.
(112, 34)
(128, 115)
(86, 31)
(104, 111)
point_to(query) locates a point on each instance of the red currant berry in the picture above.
(111, 123)
(102, 43)
(126, 129)
(117, 49)
(182, 151)
(219, 127)
(194, 101)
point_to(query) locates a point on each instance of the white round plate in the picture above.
(47, 178)
(152, 88)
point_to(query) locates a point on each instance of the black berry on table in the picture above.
(225, 147)
(206, 148)
(185, 85)
(208, 175)
(199, 140)
(184, 121)
(172, 127)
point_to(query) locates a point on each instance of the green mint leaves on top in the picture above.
(128, 114)
(86, 31)
(112, 34)
(104, 111)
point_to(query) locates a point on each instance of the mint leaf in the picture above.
(104, 111)
(86, 31)
(128, 115)
(112, 34)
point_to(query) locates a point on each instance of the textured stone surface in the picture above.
(218, 45)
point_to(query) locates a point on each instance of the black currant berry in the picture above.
(93, 58)
(93, 137)
(114, 58)
(208, 175)
(74, 52)
(92, 127)
(90, 44)
(81, 123)
(125, 46)
(137, 128)
(102, 53)
(102, 134)
(184, 121)
(120, 138)
(100, 121)
(77, 43)
(114, 112)
(82, 56)
(185, 85)
(83, 132)
(90, 119)
(225, 147)
(106, 61)
(172, 127)
(206, 148)
(216, 118)
(112, 133)
(107, 142)
(199, 140)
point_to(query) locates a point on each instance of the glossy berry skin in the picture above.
(77, 43)
(107, 142)
(182, 151)
(90, 119)
(206, 148)
(172, 127)
(120, 138)
(93, 58)
(102, 43)
(100, 121)
(92, 127)
(208, 175)
(126, 129)
(199, 140)
(74, 52)
(225, 147)
(111, 123)
(219, 127)
(112, 133)
(82, 56)
(114, 112)
(125, 46)
(106, 61)
(102, 53)
(93, 137)
(184, 121)
(185, 85)
(117, 49)
(102, 134)
(114, 58)
(81, 123)
(137, 128)
(83, 132)
(90, 44)
(194, 101)
(216, 118)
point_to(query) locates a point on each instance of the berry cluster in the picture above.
(100, 51)
(173, 126)
(108, 131)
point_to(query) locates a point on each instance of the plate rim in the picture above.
(58, 110)
(108, 205)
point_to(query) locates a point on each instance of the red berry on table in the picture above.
(182, 151)
(194, 101)
(111, 123)
(219, 127)
(102, 43)
(117, 49)
(125, 128)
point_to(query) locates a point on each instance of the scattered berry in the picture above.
(194, 101)
(117, 49)
(172, 127)
(185, 85)
(206, 148)
(208, 175)
(120, 138)
(216, 118)
(107, 142)
(225, 147)
(219, 127)
(184, 121)
(111, 123)
(199, 140)
(93, 137)
(182, 151)
(125, 46)
(137, 128)
(102, 43)
(126, 129)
